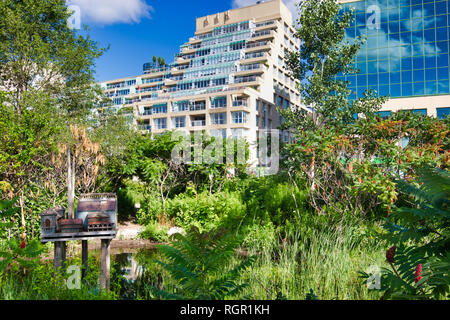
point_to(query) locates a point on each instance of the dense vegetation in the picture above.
(352, 193)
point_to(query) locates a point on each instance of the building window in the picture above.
(220, 102)
(159, 108)
(198, 105)
(179, 122)
(442, 113)
(219, 118)
(180, 106)
(222, 133)
(239, 117)
(160, 123)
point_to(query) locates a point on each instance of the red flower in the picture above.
(23, 244)
(418, 273)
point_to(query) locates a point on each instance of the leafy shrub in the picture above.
(420, 257)
(201, 265)
(155, 232)
(205, 212)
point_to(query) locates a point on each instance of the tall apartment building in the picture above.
(226, 80)
(406, 54)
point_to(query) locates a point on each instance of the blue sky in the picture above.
(137, 30)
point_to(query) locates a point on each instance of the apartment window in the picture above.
(198, 105)
(202, 84)
(239, 117)
(117, 101)
(254, 55)
(244, 79)
(237, 45)
(222, 133)
(220, 102)
(219, 118)
(160, 123)
(123, 92)
(184, 86)
(147, 111)
(131, 82)
(180, 106)
(159, 108)
(179, 122)
(219, 82)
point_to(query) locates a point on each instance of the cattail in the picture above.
(390, 255)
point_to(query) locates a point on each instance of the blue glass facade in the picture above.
(407, 49)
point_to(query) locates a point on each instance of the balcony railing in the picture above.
(199, 123)
(258, 25)
(261, 33)
(198, 107)
(146, 113)
(257, 44)
(254, 55)
(239, 103)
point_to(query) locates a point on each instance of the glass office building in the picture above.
(406, 54)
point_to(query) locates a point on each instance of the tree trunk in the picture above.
(70, 187)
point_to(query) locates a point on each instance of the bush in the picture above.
(155, 232)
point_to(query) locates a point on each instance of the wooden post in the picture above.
(105, 263)
(84, 258)
(59, 259)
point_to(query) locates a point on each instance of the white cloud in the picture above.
(289, 3)
(106, 12)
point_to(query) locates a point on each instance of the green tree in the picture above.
(46, 70)
(324, 53)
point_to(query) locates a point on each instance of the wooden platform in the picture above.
(62, 237)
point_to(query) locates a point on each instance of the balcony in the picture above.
(266, 34)
(146, 113)
(198, 123)
(145, 127)
(198, 106)
(239, 103)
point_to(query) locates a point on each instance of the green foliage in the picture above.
(200, 263)
(155, 232)
(420, 263)
(324, 54)
(40, 282)
(16, 254)
(315, 254)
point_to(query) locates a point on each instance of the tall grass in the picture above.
(326, 261)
